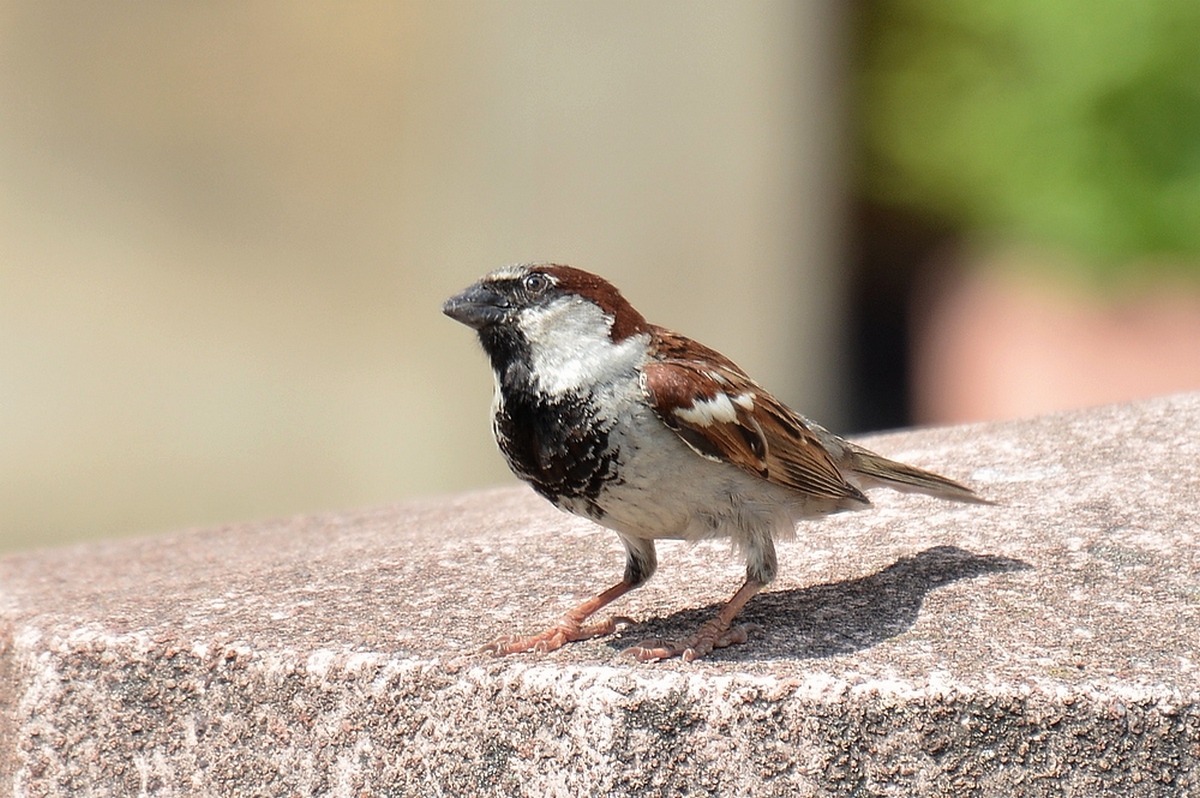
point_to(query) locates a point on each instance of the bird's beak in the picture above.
(477, 307)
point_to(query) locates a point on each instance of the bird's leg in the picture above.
(716, 633)
(570, 627)
(640, 563)
(761, 567)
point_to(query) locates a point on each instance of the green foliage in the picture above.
(1070, 123)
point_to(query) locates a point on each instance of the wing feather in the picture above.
(722, 414)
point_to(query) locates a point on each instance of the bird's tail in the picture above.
(878, 469)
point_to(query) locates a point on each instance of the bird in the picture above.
(654, 436)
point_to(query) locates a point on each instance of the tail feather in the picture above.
(901, 476)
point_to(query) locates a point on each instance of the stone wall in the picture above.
(1046, 645)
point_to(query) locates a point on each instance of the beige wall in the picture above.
(226, 229)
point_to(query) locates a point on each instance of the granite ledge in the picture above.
(1043, 646)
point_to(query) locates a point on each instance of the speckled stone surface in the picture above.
(1045, 646)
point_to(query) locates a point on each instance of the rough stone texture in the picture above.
(1044, 646)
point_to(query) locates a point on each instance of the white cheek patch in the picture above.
(571, 348)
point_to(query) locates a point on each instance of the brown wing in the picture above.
(724, 415)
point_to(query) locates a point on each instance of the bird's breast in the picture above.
(561, 445)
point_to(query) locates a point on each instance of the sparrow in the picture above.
(654, 436)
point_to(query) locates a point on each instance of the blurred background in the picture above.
(226, 229)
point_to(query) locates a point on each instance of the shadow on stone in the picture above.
(838, 618)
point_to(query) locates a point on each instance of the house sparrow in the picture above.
(654, 436)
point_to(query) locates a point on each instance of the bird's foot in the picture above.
(567, 630)
(712, 635)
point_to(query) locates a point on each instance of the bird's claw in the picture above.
(710, 636)
(567, 630)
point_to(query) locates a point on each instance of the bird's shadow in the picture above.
(836, 618)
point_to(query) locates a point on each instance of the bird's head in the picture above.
(561, 325)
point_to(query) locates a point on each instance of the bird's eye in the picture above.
(536, 283)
